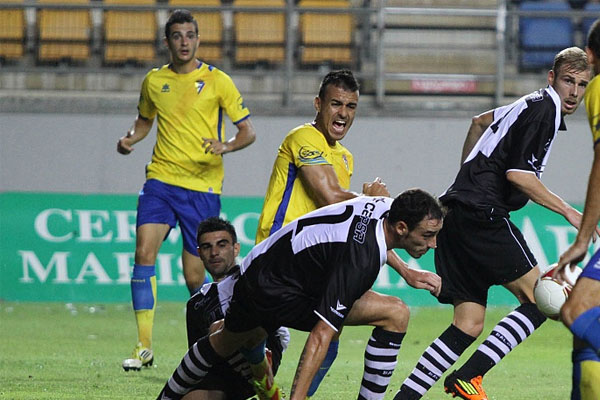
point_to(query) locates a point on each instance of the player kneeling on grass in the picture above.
(218, 248)
(311, 275)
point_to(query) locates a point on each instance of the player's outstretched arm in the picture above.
(589, 223)
(418, 279)
(139, 131)
(311, 359)
(244, 138)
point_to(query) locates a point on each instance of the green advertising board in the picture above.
(80, 248)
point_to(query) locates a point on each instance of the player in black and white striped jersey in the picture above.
(310, 275)
(503, 158)
(218, 248)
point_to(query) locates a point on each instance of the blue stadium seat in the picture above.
(542, 37)
(586, 23)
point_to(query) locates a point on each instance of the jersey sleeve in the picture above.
(592, 106)
(146, 107)
(529, 146)
(350, 278)
(231, 100)
(307, 147)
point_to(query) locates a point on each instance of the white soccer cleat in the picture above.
(141, 357)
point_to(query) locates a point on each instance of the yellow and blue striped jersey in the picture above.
(286, 198)
(189, 107)
(592, 106)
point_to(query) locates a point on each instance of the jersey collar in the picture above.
(560, 121)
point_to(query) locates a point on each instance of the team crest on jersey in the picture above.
(536, 96)
(166, 88)
(345, 161)
(199, 86)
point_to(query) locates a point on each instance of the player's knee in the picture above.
(398, 315)
(470, 327)
(145, 254)
(571, 310)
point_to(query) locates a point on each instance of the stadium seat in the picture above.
(64, 33)
(586, 23)
(326, 37)
(542, 37)
(129, 35)
(12, 32)
(259, 36)
(210, 28)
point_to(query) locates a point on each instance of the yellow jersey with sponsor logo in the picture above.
(287, 198)
(592, 106)
(189, 107)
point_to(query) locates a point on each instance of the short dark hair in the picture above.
(179, 16)
(414, 205)
(342, 78)
(214, 224)
(593, 38)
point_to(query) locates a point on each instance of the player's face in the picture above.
(218, 252)
(570, 86)
(422, 237)
(182, 42)
(335, 112)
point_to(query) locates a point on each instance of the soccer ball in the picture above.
(551, 295)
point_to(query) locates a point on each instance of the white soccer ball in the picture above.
(551, 295)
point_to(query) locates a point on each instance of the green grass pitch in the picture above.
(58, 351)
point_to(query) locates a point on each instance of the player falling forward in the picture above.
(310, 275)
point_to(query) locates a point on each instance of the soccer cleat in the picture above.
(141, 357)
(264, 391)
(465, 389)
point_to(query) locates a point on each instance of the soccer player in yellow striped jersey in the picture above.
(288, 197)
(581, 312)
(312, 170)
(184, 178)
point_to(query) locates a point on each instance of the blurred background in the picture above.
(70, 75)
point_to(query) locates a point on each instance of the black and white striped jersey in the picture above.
(318, 265)
(519, 139)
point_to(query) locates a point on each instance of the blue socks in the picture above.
(587, 327)
(141, 287)
(332, 351)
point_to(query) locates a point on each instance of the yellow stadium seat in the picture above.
(259, 36)
(12, 32)
(129, 35)
(64, 33)
(326, 37)
(210, 28)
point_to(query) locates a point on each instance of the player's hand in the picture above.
(569, 259)
(375, 188)
(125, 144)
(215, 146)
(420, 279)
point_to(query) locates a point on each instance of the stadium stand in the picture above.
(542, 37)
(586, 23)
(129, 36)
(438, 45)
(259, 36)
(326, 37)
(12, 32)
(64, 34)
(210, 28)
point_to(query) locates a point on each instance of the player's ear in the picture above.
(317, 103)
(551, 77)
(236, 249)
(401, 228)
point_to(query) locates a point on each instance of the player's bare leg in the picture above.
(193, 271)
